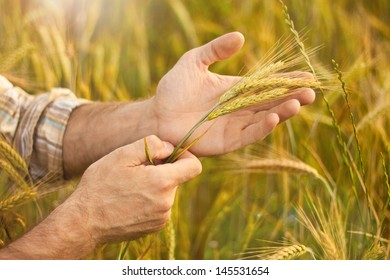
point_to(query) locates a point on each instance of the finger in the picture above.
(287, 109)
(219, 49)
(305, 96)
(185, 168)
(257, 131)
(295, 74)
(134, 154)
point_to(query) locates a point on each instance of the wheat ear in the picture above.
(171, 239)
(14, 57)
(17, 199)
(378, 111)
(287, 253)
(14, 175)
(279, 166)
(13, 156)
(375, 252)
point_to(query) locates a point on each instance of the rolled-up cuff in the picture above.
(43, 137)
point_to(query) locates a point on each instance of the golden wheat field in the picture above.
(316, 188)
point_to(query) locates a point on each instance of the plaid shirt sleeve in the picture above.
(35, 125)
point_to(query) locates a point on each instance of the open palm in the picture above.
(189, 90)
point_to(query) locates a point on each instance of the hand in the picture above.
(120, 197)
(189, 90)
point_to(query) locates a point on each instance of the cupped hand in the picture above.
(189, 90)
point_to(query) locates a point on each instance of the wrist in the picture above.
(62, 235)
(146, 122)
(97, 129)
(69, 222)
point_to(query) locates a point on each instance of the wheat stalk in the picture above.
(302, 49)
(351, 116)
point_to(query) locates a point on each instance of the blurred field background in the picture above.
(280, 208)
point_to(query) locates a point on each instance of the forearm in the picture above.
(59, 236)
(96, 129)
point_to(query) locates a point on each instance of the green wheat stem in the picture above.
(341, 142)
(302, 49)
(352, 117)
(204, 119)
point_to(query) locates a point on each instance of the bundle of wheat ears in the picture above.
(278, 75)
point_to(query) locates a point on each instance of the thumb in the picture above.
(134, 154)
(219, 49)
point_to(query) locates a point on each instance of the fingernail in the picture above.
(168, 146)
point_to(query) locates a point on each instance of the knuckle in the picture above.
(153, 139)
(198, 168)
(160, 226)
(168, 181)
(162, 221)
(155, 143)
(164, 207)
(189, 56)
